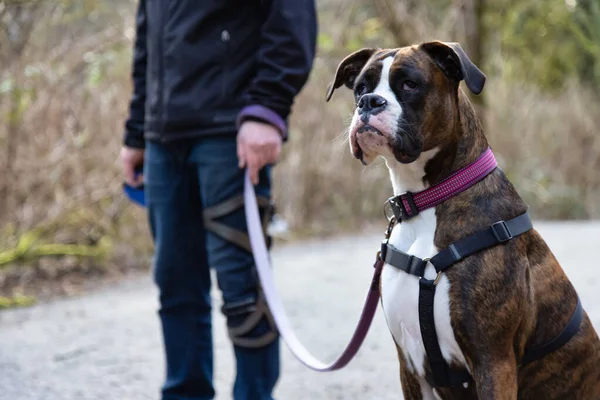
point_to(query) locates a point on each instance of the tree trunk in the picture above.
(19, 20)
(8, 170)
(473, 39)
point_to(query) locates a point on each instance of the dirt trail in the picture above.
(106, 345)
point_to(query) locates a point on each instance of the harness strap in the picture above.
(502, 231)
(537, 352)
(497, 233)
(256, 309)
(238, 334)
(237, 237)
(230, 205)
(441, 373)
(406, 262)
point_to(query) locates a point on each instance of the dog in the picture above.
(493, 305)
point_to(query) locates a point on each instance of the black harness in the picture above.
(500, 232)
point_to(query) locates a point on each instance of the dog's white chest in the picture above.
(400, 295)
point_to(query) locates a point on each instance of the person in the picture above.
(213, 85)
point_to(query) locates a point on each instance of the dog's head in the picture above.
(406, 99)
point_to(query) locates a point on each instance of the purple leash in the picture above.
(263, 266)
(430, 197)
(406, 205)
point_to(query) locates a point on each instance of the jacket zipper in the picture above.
(225, 38)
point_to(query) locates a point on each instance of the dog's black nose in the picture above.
(371, 103)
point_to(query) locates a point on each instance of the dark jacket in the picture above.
(203, 66)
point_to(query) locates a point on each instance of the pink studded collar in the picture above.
(407, 205)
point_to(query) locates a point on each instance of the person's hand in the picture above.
(258, 144)
(131, 158)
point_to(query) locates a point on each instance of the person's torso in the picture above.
(202, 55)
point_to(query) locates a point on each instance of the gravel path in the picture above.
(106, 345)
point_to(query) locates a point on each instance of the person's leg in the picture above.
(180, 271)
(257, 353)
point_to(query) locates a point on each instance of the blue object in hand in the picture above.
(135, 194)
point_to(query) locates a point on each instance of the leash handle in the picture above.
(263, 267)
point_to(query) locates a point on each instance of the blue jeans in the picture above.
(180, 180)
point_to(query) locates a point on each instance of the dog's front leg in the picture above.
(413, 386)
(496, 378)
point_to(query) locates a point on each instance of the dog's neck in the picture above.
(409, 177)
(417, 235)
(438, 163)
(439, 225)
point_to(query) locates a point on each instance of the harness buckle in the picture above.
(408, 196)
(501, 231)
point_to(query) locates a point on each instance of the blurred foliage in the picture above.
(16, 301)
(548, 42)
(587, 32)
(28, 248)
(64, 83)
(65, 88)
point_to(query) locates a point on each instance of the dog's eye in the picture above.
(360, 90)
(409, 86)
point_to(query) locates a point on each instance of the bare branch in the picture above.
(402, 29)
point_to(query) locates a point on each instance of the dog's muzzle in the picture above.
(370, 104)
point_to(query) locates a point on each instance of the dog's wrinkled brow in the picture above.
(372, 70)
(371, 73)
(385, 54)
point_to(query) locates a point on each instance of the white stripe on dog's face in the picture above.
(394, 110)
(386, 122)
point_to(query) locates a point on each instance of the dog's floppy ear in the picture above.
(349, 69)
(455, 63)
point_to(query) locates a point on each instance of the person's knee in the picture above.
(250, 323)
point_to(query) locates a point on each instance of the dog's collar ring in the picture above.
(388, 211)
(437, 278)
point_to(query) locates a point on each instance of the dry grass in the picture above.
(63, 101)
(549, 146)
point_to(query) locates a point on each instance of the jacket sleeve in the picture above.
(285, 60)
(134, 126)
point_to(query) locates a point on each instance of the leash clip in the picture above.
(388, 231)
(381, 253)
(388, 211)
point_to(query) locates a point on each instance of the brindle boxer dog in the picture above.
(494, 304)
